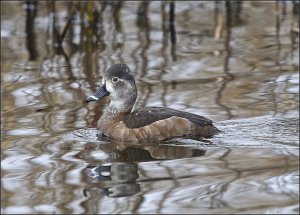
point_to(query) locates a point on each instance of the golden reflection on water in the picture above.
(236, 64)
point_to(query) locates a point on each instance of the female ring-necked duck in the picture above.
(148, 124)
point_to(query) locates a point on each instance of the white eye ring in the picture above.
(115, 79)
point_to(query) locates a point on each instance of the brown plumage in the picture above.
(147, 124)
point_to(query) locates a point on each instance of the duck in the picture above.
(149, 124)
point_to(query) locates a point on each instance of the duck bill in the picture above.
(102, 92)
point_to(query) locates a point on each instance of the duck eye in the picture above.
(115, 79)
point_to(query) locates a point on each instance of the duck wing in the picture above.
(146, 116)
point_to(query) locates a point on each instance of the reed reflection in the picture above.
(142, 22)
(172, 30)
(57, 59)
(31, 12)
(230, 10)
(218, 20)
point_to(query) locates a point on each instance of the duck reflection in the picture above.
(118, 174)
(122, 177)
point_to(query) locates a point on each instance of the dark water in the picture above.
(237, 65)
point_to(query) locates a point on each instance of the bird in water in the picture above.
(148, 124)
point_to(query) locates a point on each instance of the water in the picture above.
(243, 74)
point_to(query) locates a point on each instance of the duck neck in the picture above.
(116, 109)
(121, 104)
(119, 108)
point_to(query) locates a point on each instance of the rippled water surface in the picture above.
(235, 64)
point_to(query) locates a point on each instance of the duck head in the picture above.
(118, 83)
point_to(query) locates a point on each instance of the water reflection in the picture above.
(87, 21)
(118, 176)
(223, 59)
(230, 7)
(31, 11)
(121, 177)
